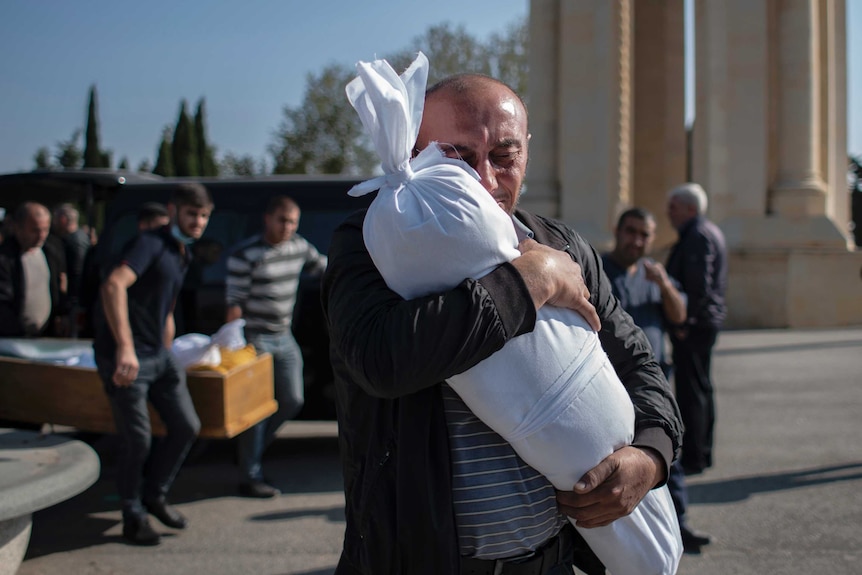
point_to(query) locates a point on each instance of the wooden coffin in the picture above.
(226, 403)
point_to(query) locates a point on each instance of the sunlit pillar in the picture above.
(799, 189)
(659, 107)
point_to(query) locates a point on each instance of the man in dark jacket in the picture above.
(134, 332)
(416, 462)
(32, 276)
(699, 262)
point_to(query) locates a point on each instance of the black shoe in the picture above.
(258, 489)
(692, 541)
(138, 531)
(166, 513)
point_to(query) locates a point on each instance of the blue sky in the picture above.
(248, 59)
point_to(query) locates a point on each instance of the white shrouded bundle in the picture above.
(552, 393)
(430, 210)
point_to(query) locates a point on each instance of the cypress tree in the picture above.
(183, 147)
(93, 156)
(205, 153)
(164, 158)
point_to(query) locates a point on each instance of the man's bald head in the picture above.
(464, 88)
(32, 222)
(484, 122)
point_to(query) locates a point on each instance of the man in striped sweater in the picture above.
(263, 276)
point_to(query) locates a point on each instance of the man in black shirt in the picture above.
(134, 331)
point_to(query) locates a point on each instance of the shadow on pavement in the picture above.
(334, 514)
(295, 466)
(739, 489)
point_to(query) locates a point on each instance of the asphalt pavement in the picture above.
(784, 496)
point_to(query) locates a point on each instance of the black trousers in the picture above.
(161, 381)
(692, 358)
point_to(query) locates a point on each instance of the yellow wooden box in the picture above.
(226, 403)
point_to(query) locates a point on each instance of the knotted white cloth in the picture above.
(432, 223)
(552, 393)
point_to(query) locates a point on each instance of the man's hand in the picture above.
(127, 367)
(613, 488)
(552, 277)
(655, 272)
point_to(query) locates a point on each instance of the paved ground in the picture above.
(785, 495)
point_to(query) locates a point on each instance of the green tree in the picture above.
(323, 135)
(234, 165)
(164, 158)
(183, 146)
(124, 164)
(69, 154)
(42, 158)
(507, 55)
(854, 181)
(205, 152)
(854, 173)
(449, 50)
(93, 156)
(145, 167)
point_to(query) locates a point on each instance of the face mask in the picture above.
(180, 236)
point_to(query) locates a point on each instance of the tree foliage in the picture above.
(854, 173)
(247, 165)
(164, 159)
(69, 154)
(207, 164)
(184, 145)
(94, 157)
(42, 158)
(854, 181)
(324, 134)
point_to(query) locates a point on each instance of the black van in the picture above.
(109, 200)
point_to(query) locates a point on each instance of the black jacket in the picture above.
(392, 429)
(699, 262)
(12, 287)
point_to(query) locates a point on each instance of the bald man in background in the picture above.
(32, 276)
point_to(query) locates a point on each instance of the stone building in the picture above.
(607, 106)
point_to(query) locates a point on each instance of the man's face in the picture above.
(280, 225)
(192, 220)
(486, 128)
(33, 232)
(634, 239)
(679, 213)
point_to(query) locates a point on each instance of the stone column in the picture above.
(799, 189)
(659, 108)
(768, 137)
(732, 106)
(542, 189)
(833, 108)
(595, 110)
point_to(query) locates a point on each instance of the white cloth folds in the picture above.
(552, 393)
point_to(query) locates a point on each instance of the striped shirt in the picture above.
(503, 507)
(262, 279)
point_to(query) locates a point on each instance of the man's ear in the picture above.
(172, 211)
